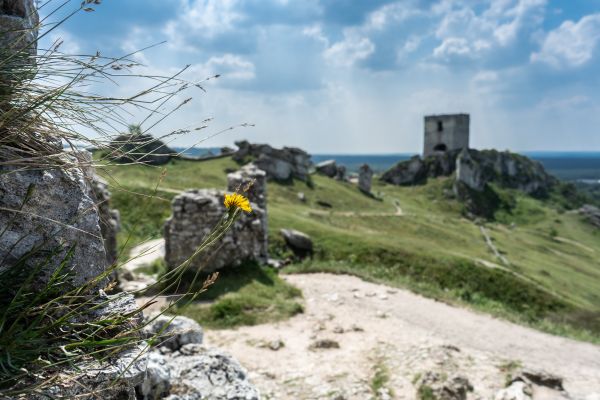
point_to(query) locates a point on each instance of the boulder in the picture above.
(18, 26)
(409, 172)
(173, 332)
(533, 384)
(208, 374)
(300, 243)
(140, 148)
(591, 213)
(365, 176)
(51, 210)
(328, 168)
(279, 164)
(195, 214)
(437, 385)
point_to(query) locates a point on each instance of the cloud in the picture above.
(350, 50)
(572, 44)
(468, 33)
(230, 66)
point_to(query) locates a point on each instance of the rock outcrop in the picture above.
(279, 164)
(365, 177)
(46, 211)
(475, 171)
(18, 26)
(197, 212)
(140, 148)
(435, 385)
(183, 369)
(328, 168)
(300, 243)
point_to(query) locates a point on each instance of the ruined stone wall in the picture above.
(197, 212)
(445, 132)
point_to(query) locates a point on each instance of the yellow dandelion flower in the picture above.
(236, 200)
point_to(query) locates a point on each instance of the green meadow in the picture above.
(411, 237)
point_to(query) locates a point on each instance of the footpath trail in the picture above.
(379, 328)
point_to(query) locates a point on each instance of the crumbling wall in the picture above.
(196, 212)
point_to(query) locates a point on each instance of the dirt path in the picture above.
(378, 327)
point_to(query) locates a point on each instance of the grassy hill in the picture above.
(548, 274)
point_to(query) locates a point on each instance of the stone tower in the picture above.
(445, 132)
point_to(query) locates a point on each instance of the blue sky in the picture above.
(357, 76)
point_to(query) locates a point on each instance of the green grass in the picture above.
(380, 378)
(246, 295)
(552, 280)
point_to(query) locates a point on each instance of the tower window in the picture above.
(440, 147)
(440, 126)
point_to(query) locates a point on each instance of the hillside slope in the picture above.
(536, 263)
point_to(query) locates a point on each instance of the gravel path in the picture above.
(381, 327)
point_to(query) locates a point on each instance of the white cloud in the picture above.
(203, 18)
(572, 44)
(350, 50)
(464, 32)
(485, 77)
(230, 66)
(67, 42)
(453, 46)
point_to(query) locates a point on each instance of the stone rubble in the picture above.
(184, 369)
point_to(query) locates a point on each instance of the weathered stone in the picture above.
(531, 384)
(409, 172)
(279, 164)
(324, 344)
(517, 390)
(140, 148)
(443, 387)
(301, 196)
(591, 213)
(156, 383)
(300, 243)
(110, 220)
(50, 210)
(195, 214)
(365, 176)
(253, 178)
(18, 26)
(478, 168)
(18, 42)
(208, 374)
(340, 174)
(173, 332)
(327, 168)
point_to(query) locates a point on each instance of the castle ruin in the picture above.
(445, 132)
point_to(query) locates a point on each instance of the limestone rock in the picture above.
(409, 172)
(531, 384)
(279, 164)
(56, 213)
(140, 148)
(340, 173)
(157, 378)
(327, 168)
(208, 374)
(195, 214)
(365, 176)
(176, 331)
(591, 213)
(110, 220)
(324, 344)
(300, 243)
(443, 387)
(18, 21)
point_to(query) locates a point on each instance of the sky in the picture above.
(357, 76)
